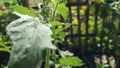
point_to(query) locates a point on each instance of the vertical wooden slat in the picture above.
(108, 40)
(25, 3)
(70, 21)
(95, 27)
(87, 25)
(119, 27)
(68, 1)
(79, 27)
(102, 36)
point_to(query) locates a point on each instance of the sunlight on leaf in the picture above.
(24, 11)
(4, 49)
(71, 61)
(3, 46)
(62, 9)
(75, 21)
(15, 1)
(55, 23)
(84, 7)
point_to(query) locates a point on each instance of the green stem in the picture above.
(47, 58)
(19, 2)
(54, 13)
(48, 50)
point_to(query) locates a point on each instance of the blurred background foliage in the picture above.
(55, 12)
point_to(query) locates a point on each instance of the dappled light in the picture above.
(59, 33)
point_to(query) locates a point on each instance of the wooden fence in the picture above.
(98, 40)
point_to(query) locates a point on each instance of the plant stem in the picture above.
(54, 13)
(48, 50)
(19, 2)
(47, 58)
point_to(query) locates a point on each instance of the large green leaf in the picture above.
(55, 23)
(62, 9)
(23, 10)
(71, 61)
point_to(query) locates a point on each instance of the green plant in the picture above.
(52, 13)
(71, 61)
(53, 22)
(3, 44)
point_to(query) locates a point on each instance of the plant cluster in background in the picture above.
(52, 12)
(55, 13)
(6, 17)
(105, 62)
